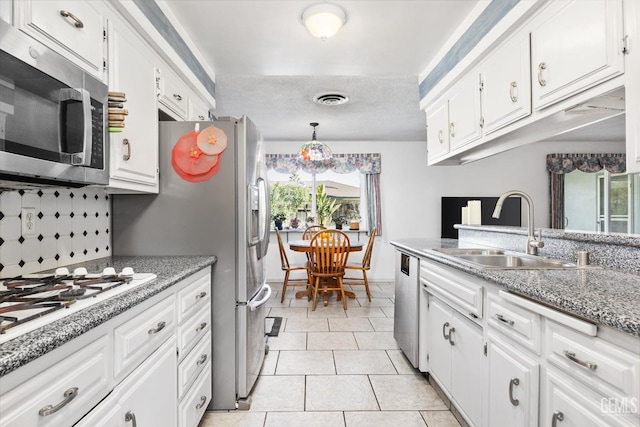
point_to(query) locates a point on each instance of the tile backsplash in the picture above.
(71, 225)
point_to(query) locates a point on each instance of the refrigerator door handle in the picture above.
(264, 216)
(253, 304)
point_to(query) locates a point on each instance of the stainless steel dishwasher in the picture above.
(407, 299)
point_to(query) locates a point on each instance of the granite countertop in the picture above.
(169, 271)
(606, 296)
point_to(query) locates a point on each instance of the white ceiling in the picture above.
(269, 67)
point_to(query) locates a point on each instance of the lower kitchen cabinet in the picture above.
(512, 385)
(456, 351)
(147, 397)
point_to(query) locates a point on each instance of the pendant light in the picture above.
(315, 154)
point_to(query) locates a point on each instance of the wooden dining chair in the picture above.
(364, 266)
(288, 268)
(329, 250)
(311, 230)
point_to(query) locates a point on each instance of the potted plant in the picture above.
(288, 198)
(278, 218)
(339, 221)
(325, 205)
(294, 223)
(309, 221)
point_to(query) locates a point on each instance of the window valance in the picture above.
(564, 163)
(367, 163)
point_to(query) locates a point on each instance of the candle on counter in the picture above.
(465, 215)
(474, 209)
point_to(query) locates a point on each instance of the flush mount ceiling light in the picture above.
(323, 20)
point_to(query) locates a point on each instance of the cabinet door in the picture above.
(438, 129)
(465, 111)
(513, 386)
(72, 28)
(467, 358)
(173, 93)
(506, 94)
(439, 327)
(134, 151)
(576, 45)
(632, 88)
(147, 397)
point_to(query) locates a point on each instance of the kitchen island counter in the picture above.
(169, 270)
(604, 296)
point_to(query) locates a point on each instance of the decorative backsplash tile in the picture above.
(71, 225)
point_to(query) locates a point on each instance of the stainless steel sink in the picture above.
(500, 259)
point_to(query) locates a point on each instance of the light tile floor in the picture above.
(332, 367)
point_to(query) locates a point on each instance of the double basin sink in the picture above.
(507, 260)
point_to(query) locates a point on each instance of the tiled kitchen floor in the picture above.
(332, 367)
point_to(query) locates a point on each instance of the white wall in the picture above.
(411, 190)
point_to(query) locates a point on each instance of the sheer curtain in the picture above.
(559, 164)
(368, 164)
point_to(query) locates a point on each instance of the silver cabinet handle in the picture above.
(557, 416)
(177, 97)
(201, 326)
(201, 295)
(444, 334)
(512, 91)
(130, 416)
(127, 144)
(203, 358)
(69, 395)
(514, 381)
(541, 67)
(501, 318)
(76, 21)
(158, 328)
(572, 356)
(201, 117)
(451, 331)
(440, 136)
(203, 399)
(452, 130)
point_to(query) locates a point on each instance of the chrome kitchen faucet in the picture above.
(533, 244)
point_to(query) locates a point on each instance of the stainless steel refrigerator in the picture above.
(225, 214)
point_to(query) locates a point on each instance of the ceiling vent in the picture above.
(331, 99)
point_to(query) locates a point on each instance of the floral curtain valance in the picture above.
(564, 163)
(367, 163)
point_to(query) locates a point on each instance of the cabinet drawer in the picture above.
(193, 330)
(194, 296)
(456, 288)
(81, 380)
(195, 402)
(192, 365)
(517, 323)
(173, 93)
(137, 338)
(613, 371)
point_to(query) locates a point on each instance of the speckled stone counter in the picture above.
(169, 269)
(606, 296)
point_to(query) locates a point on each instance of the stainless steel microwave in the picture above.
(52, 117)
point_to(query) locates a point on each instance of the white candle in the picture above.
(475, 212)
(465, 215)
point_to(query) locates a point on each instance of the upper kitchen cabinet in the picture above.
(506, 78)
(134, 151)
(75, 29)
(632, 86)
(575, 45)
(438, 129)
(198, 110)
(173, 94)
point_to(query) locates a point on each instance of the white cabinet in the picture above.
(632, 87)
(172, 93)
(145, 398)
(456, 354)
(134, 151)
(70, 27)
(198, 110)
(506, 89)
(438, 129)
(575, 45)
(512, 385)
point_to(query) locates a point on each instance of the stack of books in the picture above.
(117, 112)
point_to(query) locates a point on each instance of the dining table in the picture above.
(305, 246)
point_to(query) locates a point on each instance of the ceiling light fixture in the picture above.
(315, 152)
(323, 20)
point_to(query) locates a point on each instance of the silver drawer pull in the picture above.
(451, 331)
(541, 67)
(177, 97)
(557, 416)
(203, 399)
(130, 416)
(514, 381)
(203, 358)
(444, 334)
(440, 137)
(201, 327)
(76, 21)
(158, 328)
(512, 90)
(201, 295)
(69, 395)
(572, 356)
(501, 318)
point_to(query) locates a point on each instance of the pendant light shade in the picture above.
(315, 154)
(323, 20)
